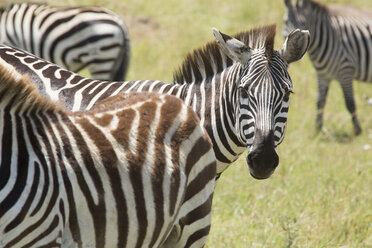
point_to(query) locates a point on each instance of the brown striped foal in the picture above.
(137, 170)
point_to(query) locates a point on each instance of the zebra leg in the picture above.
(347, 88)
(323, 85)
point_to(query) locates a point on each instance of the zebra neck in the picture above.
(214, 100)
(321, 33)
(319, 29)
(217, 92)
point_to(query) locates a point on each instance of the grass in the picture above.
(321, 194)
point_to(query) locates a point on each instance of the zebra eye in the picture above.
(288, 90)
(242, 88)
(287, 93)
(243, 91)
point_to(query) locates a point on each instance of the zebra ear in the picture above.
(295, 45)
(302, 3)
(233, 48)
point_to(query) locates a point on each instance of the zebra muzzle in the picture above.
(262, 159)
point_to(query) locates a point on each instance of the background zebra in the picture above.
(239, 89)
(121, 175)
(340, 47)
(72, 37)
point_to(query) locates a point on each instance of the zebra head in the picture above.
(297, 16)
(262, 95)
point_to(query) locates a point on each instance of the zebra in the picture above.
(239, 87)
(340, 48)
(137, 170)
(73, 37)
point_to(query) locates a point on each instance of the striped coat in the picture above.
(340, 48)
(72, 37)
(137, 170)
(239, 87)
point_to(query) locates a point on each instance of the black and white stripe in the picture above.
(72, 37)
(234, 94)
(137, 170)
(340, 47)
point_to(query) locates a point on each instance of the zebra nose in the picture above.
(263, 159)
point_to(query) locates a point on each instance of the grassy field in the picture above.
(321, 193)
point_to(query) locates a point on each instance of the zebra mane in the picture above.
(319, 7)
(209, 59)
(21, 95)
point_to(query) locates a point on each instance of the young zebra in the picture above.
(239, 88)
(340, 48)
(137, 170)
(72, 37)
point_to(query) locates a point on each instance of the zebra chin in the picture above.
(262, 160)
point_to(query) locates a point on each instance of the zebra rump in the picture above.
(73, 37)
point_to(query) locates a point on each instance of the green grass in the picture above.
(321, 193)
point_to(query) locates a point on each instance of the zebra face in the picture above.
(263, 90)
(296, 16)
(263, 105)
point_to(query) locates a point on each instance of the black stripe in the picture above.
(98, 210)
(6, 153)
(26, 206)
(197, 235)
(22, 26)
(108, 47)
(31, 28)
(35, 141)
(83, 43)
(44, 234)
(67, 35)
(50, 206)
(206, 175)
(49, 29)
(22, 168)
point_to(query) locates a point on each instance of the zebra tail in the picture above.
(122, 63)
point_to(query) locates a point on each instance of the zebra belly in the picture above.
(101, 224)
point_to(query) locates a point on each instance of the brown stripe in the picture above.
(124, 126)
(182, 133)
(169, 111)
(104, 121)
(136, 162)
